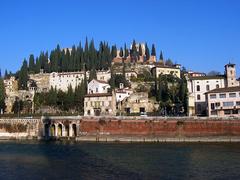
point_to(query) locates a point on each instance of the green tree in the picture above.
(140, 50)
(126, 52)
(147, 52)
(2, 96)
(121, 52)
(153, 51)
(31, 63)
(161, 56)
(23, 76)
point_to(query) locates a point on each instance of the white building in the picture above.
(199, 85)
(103, 75)
(61, 81)
(97, 86)
(224, 102)
(99, 101)
(123, 93)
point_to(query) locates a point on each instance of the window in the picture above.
(235, 111)
(86, 104)
(238, 103)
(198, 97)
(213, 96)
(217, 86)
(212, 106)
(198, 88)
(102, 103)
(96, 89)
(222, 95)
(227, 104)
(217, 104)
(207, 87)
(227, 112)
(88, 112)
(232, 95)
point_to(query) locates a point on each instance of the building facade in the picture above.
(99, 101)
(103, 75)
(224, 102)
(61, 81)
(166, 70)
(198, 86)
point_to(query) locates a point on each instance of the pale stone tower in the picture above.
(230, 72)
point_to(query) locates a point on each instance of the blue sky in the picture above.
(202, 35)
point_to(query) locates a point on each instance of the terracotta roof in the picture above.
(98, 95)
(226, 89)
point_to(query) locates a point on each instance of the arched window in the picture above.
(198, 88)
(217, 86)
(198, 97)
(207, 87)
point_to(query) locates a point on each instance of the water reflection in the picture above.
(34, 160)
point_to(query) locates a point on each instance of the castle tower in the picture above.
(230, 72)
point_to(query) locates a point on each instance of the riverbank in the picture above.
(122, 129)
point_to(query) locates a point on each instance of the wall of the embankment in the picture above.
(125, 128)
(162, 127)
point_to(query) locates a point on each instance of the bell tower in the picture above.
(230, 72)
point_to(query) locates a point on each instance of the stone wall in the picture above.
(120, 128)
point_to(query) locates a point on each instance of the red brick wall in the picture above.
(164, 128)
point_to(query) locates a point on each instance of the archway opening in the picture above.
(74, 130)
(67, 130)
(52, 130)
(46, 130)
(60, 128)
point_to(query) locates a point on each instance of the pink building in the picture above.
(224, 102)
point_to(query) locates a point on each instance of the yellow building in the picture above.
(165, 70)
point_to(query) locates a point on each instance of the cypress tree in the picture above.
(23, 76)
(161, 56)
(147, 52)
(2, 96)
(140, 50)
(126, 53)
(153, 52)
(121, 52)
(31, 63)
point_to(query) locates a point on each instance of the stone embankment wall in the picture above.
(123, 128)
(161, 127)
(19, 128)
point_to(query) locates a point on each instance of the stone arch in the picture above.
(74, 130)
(67, 130)
(60, 130)
(46, 130)
(53, 130)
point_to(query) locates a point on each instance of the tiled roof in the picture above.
(226, 89)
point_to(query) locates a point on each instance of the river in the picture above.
(59, 160)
